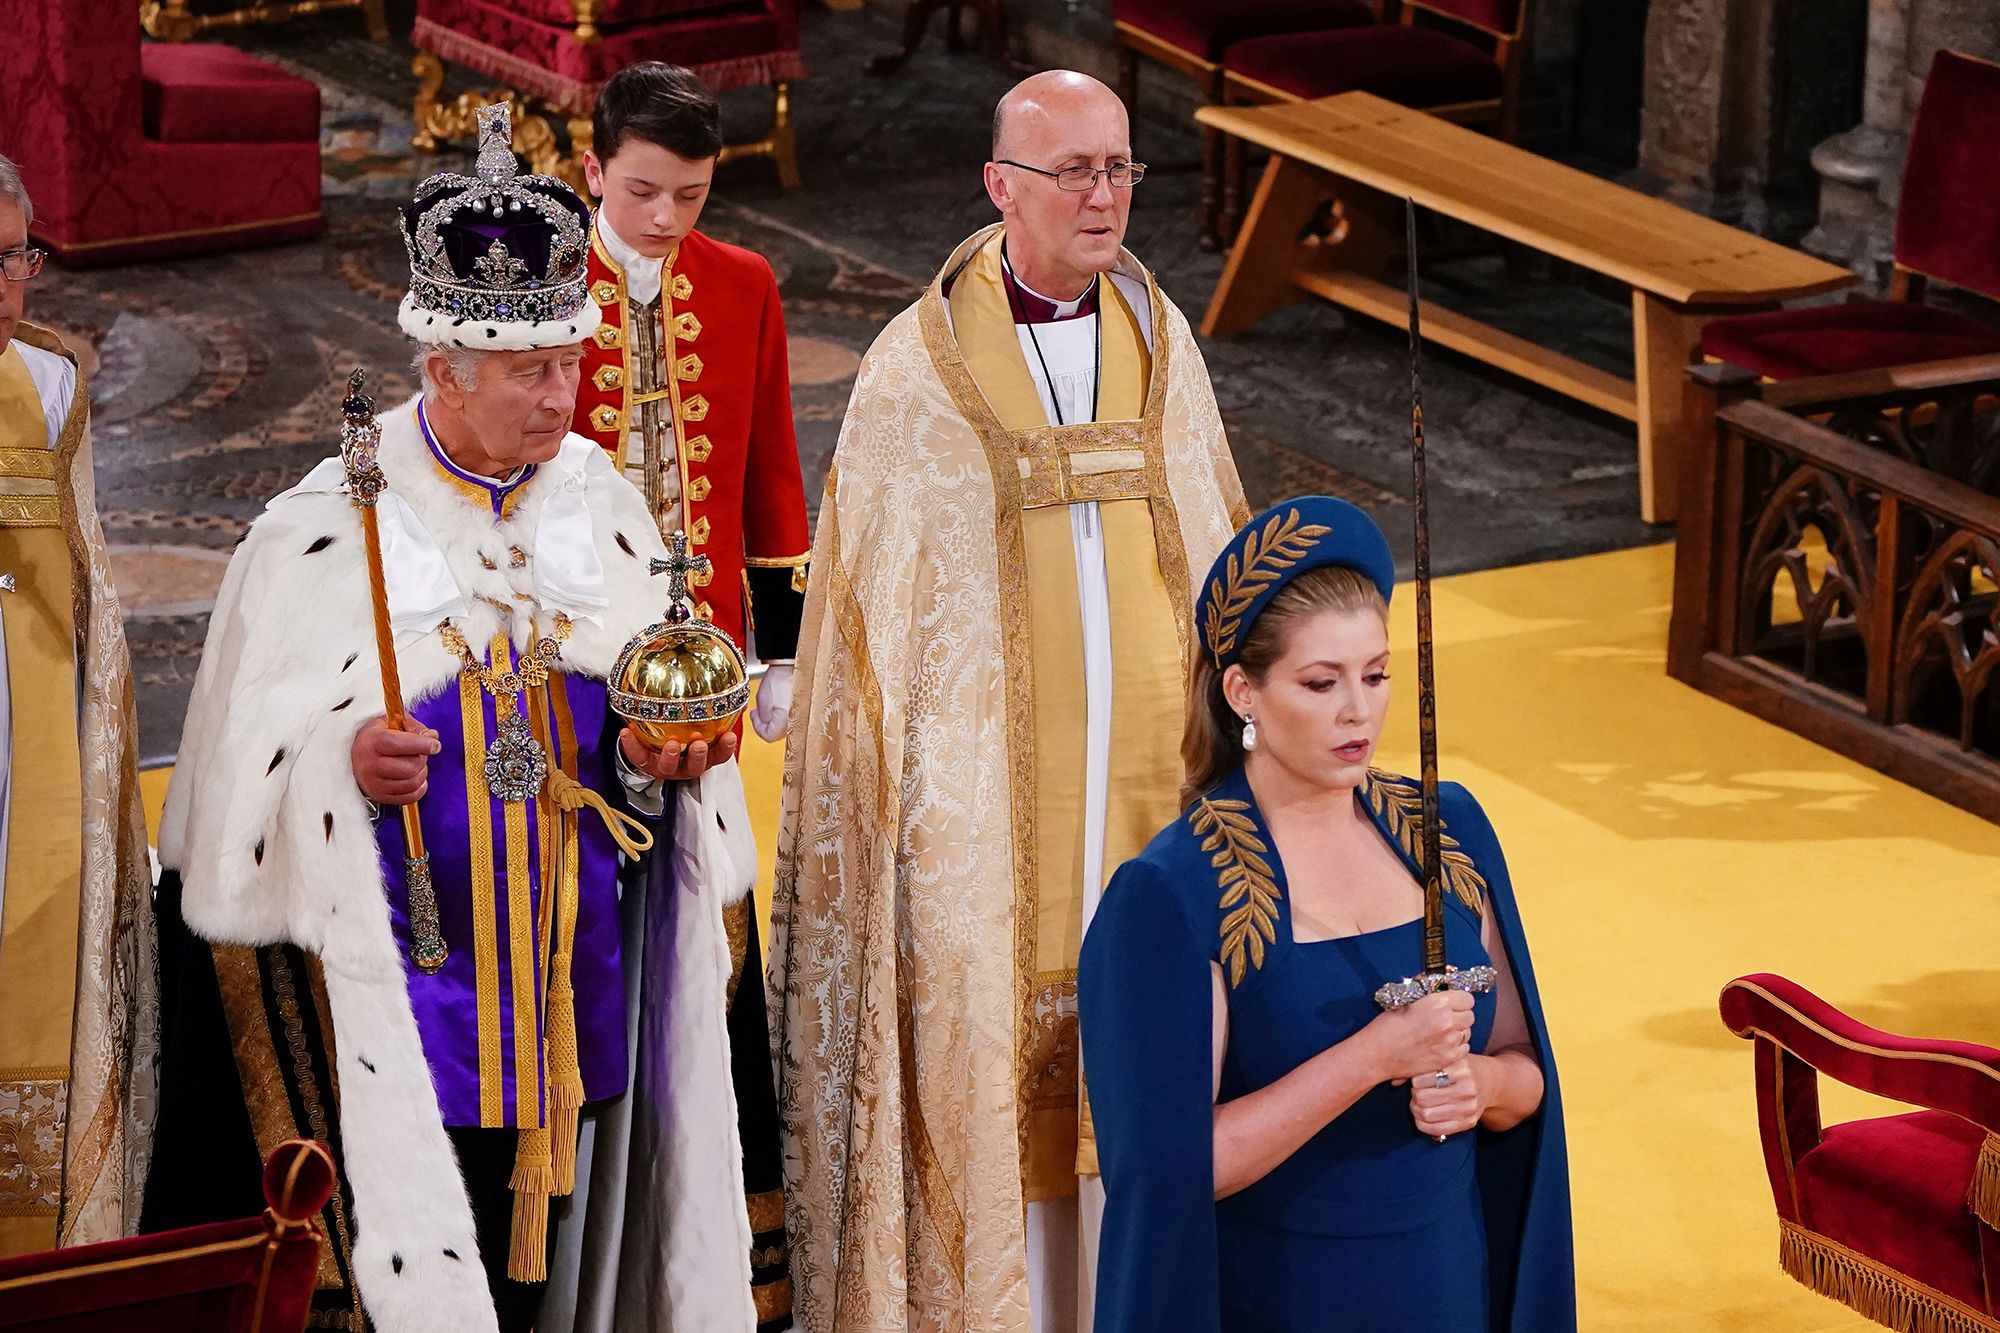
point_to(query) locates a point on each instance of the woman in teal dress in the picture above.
(1279, 1154)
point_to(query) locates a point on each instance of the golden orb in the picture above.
(680, 679)
(682, 682)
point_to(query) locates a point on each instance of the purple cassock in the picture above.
(447, 1003)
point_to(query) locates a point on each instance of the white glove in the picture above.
(773, 709)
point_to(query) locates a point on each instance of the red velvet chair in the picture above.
(560, 52)
(1947, 229)
(1460, 60)
(253, 1276)
(134, 151)
(1190, 36)
(1894, 1216)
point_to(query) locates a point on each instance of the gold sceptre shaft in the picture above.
(360, 437)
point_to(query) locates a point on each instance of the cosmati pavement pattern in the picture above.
(216, 380)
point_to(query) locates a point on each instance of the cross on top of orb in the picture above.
(677, 566)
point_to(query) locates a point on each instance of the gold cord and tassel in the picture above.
(1871, 1289)
(1984, 1197)
(545, 1160)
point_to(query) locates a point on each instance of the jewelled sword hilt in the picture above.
(1402, 994)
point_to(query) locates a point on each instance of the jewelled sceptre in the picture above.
(360, 437)
(1438, 975)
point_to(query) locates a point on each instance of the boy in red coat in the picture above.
(686, 384)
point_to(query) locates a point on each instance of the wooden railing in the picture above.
(1838, 565)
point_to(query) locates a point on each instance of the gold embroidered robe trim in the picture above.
(900, 859)
(77, 971)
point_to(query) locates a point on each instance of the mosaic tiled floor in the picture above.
(216, 379)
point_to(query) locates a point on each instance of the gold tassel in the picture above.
(532, 1183)
(1984, 1197)
(1872, 1289)
(565, 1074)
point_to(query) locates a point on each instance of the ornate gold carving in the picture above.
(780, 145)
(699, 448)
(1284, 541)
(694, 408)
(170, 21)
(686, 326)
(1400, 805)
(535, 138)
(608, 378)
(606, 417)
(1249, 890)
(604, 292)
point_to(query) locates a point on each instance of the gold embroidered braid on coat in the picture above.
(928, 889)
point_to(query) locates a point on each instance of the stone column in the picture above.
(1736, 92)
(1861, 170)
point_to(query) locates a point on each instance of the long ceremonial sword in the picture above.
(360, 437)
(1438, 974)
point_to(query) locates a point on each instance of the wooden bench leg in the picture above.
(1257, 279)
(1666, 339)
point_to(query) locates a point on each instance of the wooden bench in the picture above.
(1365, 155)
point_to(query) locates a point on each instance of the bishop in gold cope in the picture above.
(1030, 473)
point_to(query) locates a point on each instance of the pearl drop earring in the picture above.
(1249, 733)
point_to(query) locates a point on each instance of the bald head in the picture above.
(1050, 100)
(1058, 240)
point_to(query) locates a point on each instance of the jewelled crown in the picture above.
(497, 259)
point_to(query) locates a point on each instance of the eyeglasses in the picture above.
(20, 265)
(1076, 180)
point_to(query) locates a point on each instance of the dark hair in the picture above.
(662, 104)
(1212, 734)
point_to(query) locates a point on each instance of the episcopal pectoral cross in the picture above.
(677, 566)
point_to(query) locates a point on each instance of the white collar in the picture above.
(1064, 309)
(642, 275)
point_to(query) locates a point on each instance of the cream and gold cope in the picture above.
(929, 895)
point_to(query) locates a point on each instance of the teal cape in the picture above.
(1367, 1220)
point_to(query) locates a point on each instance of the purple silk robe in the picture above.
(446, 1003)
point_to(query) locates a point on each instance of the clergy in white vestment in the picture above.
(1030, 478)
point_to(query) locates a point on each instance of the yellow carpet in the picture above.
(1662, 843)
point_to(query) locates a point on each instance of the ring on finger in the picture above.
(1441, 1079)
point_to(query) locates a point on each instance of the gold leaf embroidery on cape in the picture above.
(1283, 543)
(1249, 892)
(1400, 805)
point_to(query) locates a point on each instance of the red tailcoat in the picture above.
(732, 389)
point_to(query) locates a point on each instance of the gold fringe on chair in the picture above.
(1871, 1289)
(1984, 1196)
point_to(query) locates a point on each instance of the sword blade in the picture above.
(1427, 745)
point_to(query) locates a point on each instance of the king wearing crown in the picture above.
(394, 837)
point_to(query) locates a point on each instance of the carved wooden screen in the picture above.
(1839, 566)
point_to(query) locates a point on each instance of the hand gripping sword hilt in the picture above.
(1401, 994)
